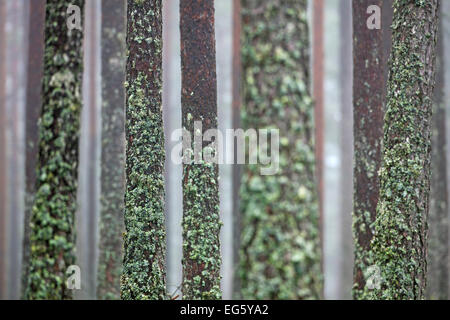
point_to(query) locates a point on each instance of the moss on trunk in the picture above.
(201, 221)
(400, 240)
(280, 254)
(52, 238)
(144, 239)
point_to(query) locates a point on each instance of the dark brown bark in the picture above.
(32, 113)
(399, 245)
(368, 89)
(201, 222)
(144, 269)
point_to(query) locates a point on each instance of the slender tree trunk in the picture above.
(438, 220)
(346, 63)
(144, 257)
(236, 123)
(400, 240)
(201, 221)
(281, 252)
(52, 237)
(368, 88)
(3, 156)
(33, 111)
(318, 85)
(113, 149)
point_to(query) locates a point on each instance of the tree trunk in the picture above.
(201, 221)
(33, 111)
(236, 123)
(368, 89)
(144, 257)
(52, 236)
(113, 149)
(3, 156)
(400, 240)
(438, 220)
(345, 231)
(281, 251)
(318, 96)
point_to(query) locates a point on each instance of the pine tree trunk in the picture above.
(144, 240)
(368, 89)
(33, 111)
(400, 240)
(113, 149)
(281, 251)
(437, 276)
(3, 157)
(52, 236)
(201, 221)
(346, 181)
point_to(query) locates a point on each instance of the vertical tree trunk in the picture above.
(400, 240)
(3, 157)
(318, 84)
(345, 231)
(113, 149)
(281, 251)
(201, 221)
(437, 276)
(33, 111)
(144, 257)
(52, 222)
(236, 123)
(368, 88)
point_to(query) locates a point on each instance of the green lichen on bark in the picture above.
(399, 245)
(368, 95)
(280, 255)
(144, 239)
(437, 276)
(52, 236)
(113, 149)
(201, 221)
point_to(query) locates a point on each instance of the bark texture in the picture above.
(368, 93)
(52, 237)
(437, 275)
(33, 111)
(113, 149)
(144, 272)
(280, 255)
(201, 221)
(400, 240)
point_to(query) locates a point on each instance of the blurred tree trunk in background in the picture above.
(89, 157)
(346, 187)
(144, 257)
(400, 239)
(368, 89)
(172, 121)
(3, 157)
(33, 110)
(52, 222)
(236, 124)
(201, 221)
(437, 276)
(318, 96)
(281, 253)
(113, 148)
